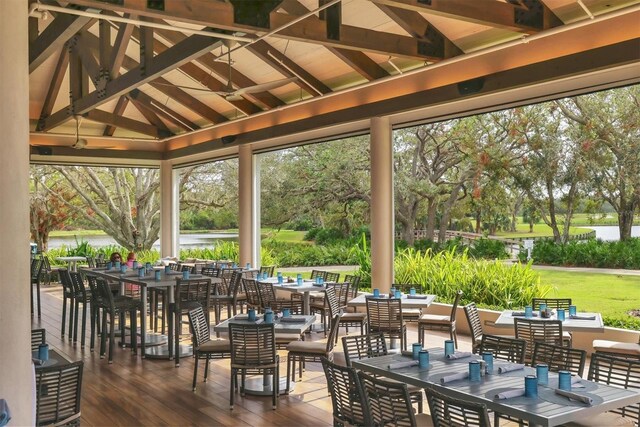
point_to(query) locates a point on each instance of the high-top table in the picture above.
(168, 282)
(546, 410)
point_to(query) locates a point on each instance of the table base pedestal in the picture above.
(150, 340)
(262, 386)
(162, 352)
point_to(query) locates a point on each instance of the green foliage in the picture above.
(592, 253)
(624, 322)
(287, 254)
(83, 248)
(488, 249)
(362, 254)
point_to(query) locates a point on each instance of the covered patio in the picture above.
(169, 84)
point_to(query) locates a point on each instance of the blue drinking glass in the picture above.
(528, 312)
(412, 291)
(318, 280)
(123, 268)
(543, 307)
(141, 271)
(376, 292)
(251, 314)
(286, 312)
(268, 317)
(280, 279)
(299, 281)
(417, 348)
(398, 294)
(474, 370)
(248, 265)
(321, 280)
(423, 359)
(542, 372)
(109, 265)
(449, 347)
(531, 386)
(572, 310)
(564, 380)
(185, 275)
(157, 275)
(487, 356)
(43, 352)
(560, 314)
(167, 269)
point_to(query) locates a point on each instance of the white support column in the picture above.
(382, 206)
(257, 220)
(16, 368)
(247, 207)
(169, 211)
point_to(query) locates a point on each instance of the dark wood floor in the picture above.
(132, 391)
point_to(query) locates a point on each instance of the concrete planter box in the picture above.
(581, 340)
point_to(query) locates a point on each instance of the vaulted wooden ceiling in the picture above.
(161, 75)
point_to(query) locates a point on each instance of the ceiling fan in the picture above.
(81, 143)
(231, 94)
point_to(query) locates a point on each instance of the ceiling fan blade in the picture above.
(265, 86)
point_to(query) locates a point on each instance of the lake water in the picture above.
(612, 232)
(187, 241)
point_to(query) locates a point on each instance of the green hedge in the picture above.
(590, 253)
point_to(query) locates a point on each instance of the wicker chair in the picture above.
(317, 273)
(211, 271)
(475, 325)
(203, 346)
(36, 274)
(409, 314)
(80, 296)
(533, 330)
(346, 319)
(309, 351)
(269, 269)
(354, 287)
(358, 347)
(504, 348)
(38, 336)
(253, 351)
(67, 295)
(268, 299)
(347, 396)
(58, 391)
(617, 372)
(432, 322)
(552, 303)
(251, 289)
(188, 294)
(449, 411)
(389, 402)
(331, 277)
(97, 305)
(559, 358)
(385, 315)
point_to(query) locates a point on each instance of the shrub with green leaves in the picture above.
(590, 253)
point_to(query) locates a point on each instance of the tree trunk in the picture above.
(446, 213)
(625, 221)
(432, 211)
(478, 221)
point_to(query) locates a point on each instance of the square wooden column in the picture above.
(249, 206)
(169, 211)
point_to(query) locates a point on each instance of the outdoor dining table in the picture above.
(305, 289)
(408, 301)
(585, 322)
(548, 409)
(158, 347)
(55, 359)
(72, 261)
(264, 386)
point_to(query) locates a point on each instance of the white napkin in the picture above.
(575, 382)
(510, 393)
(582, 317)
(406, 364)
(259, 321)
(503, 369)
(459, 355)
(575, 396)
(454, 377)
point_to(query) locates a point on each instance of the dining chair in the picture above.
(36, 274)
(616, 372)
(347, 396)
(38, 336)
(335, 303)
(559, 358)
(210, 271)
(117, 306)
(409, 314)
(269, 269)
(188, 294)
(80, 296)
(434, 322)
(331, 277)
(317, 273)
(251, 289)
(475, 325)
(204, 348)
(309, 351)
(67, 296)
(447, 410)
(58, 392)
(253, 351)
(97, 305)
(538, 330)
(552, 303)
(504, 348)
(385, 315)
(617, 348)
(268, 300)
(390, 403)
(354, 287)
(356, 347)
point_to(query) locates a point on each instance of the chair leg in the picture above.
(72, 304)
(103, 337)
(38, 298)
(134, 331)
(276, 386)
(206, 368)
(84, 324)
(454, 337)
(195, 372)
(76, 316)
(122, 322)
(64, 311)
(289, 359)
(234, 383)
(92, 336)
(112, 336)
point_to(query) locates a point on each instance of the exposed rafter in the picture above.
(119, 48)
(56, 82)
(102, 116)
(162, 110)
(121, 105)
(150, 115)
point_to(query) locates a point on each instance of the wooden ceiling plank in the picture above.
(286, 66)
(179, 54)
(121, 105)
(485, 12)
(119, 48)
(162, 110)
(150, 115)
(221, 71)
(56, 82)
(54, 37)
(102, 116)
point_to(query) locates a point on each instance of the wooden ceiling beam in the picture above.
(162, 110)
(179, 54)
(119, 48)
(54, 37)
(151, 116)
(56, 82)
(89, 62)
(284, 65)
(121, 105)
(221, 71)
(202, 77)
(102, 116)
(485, 12)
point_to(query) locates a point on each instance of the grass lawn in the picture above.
(284, 235)
(79, 233)
(611, 295)
(539, 230)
